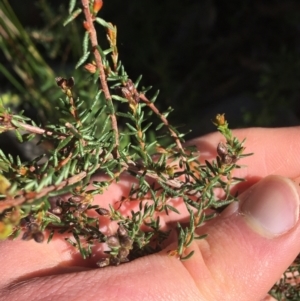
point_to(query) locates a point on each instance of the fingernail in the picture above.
(271, 207)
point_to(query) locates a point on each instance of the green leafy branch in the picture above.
(86, 139)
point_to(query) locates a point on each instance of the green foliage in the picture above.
(85, 138)
(105, 126)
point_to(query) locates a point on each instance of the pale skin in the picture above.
(233, 263)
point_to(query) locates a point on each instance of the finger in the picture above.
(152, 278)
(58, 255)
(251, 244)
(243, 256)
(31, 259)
(275, 151)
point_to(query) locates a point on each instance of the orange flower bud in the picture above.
(22, 170)
(97, 6)
(220, 120)
(90, 68)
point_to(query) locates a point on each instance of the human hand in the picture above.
(247, 249)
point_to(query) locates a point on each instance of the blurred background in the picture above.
(238, 57)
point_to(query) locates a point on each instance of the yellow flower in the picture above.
(4, 184)
(5, 230)
(220, 120)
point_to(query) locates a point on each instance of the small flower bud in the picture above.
(221, 149)
(90, 68)
(122, 231)
(38, 237)
(22, 170)
(126, 242)
(229, 159)
(113, 241)
(83, 207)
(123, 253)
(102, 211)
(26, 236)
(103, 262)
(97, 6)
(57, 210)
(114, 261)
(76, 199)
(220, 120)
(124, 259)
(33, 227)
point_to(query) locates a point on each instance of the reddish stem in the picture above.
(94, 41)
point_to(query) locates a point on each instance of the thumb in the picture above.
(251, 244)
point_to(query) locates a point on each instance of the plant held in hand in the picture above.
(109, 134)
(88, 140)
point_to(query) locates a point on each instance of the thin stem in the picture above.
(166, 123)
(163, 119)
(73, 110)
(23, 197)
(29, 128)
(99, 64)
